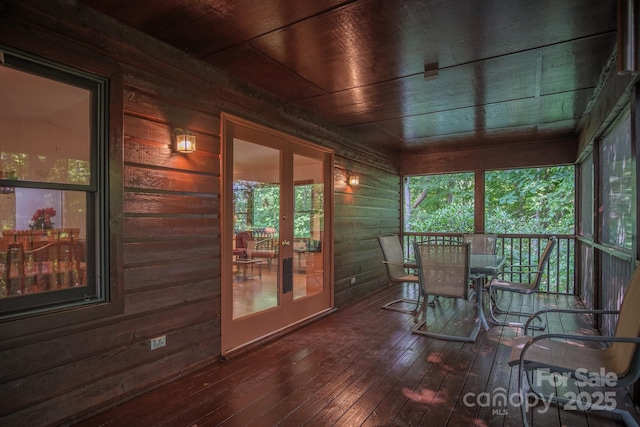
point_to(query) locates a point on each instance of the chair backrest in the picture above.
(443, 270)
(393, 255)
(60, 261)
(542, 263)
(14, 270)
(625, 357)
(483, 244)
(241, 239)
(251, 248)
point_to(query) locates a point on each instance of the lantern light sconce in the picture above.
(354, 180)
(185, 141)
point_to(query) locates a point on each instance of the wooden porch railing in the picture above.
(523, 249)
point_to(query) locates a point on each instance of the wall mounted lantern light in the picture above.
(185, 141)
(354, 180)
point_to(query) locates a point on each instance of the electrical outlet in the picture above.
(158, 342)
(353, 280)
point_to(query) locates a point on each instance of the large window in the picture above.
(519, 201)
(530, 201)
(439, 203)
(52, 186)
(256, 206)
(309, 203)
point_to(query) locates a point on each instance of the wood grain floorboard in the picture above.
(361, 366)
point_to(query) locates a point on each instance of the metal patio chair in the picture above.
(443, 271)
(498, 284)
(397, 268)
(545, 352)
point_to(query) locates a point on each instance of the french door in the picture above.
(276, 257)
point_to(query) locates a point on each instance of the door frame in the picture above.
(230, 127)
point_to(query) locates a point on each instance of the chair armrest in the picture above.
(537, 314)
(595, 338)
(404, 264)
(259, 242)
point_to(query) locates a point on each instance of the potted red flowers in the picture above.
(41, 219)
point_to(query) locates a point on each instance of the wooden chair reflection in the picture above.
(240, 248)
(14, 270)
(265, 248)
(33, 239)
(55, 265)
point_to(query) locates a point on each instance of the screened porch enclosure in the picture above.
(590, 207)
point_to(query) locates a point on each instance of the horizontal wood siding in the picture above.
(169, 249)
(362, 213)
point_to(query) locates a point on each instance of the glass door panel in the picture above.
(276, 252)
(256, 213)
(308, 226)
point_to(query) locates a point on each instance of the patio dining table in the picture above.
(481, 267)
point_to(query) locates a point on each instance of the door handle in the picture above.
(285, 243)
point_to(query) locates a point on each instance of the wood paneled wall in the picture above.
(168, 247)
(362, 213)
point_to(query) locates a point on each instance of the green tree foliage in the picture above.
(534, 200)
(439, 203)
(257, 206)
(309, 209)
(266, 206)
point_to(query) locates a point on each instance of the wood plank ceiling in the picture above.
(506, 68)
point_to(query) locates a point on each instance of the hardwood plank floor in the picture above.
(360, 366)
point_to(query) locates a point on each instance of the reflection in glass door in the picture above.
(256, 213)
(308, 226)
(275, 260)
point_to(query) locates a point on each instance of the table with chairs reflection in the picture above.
(33, 261)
